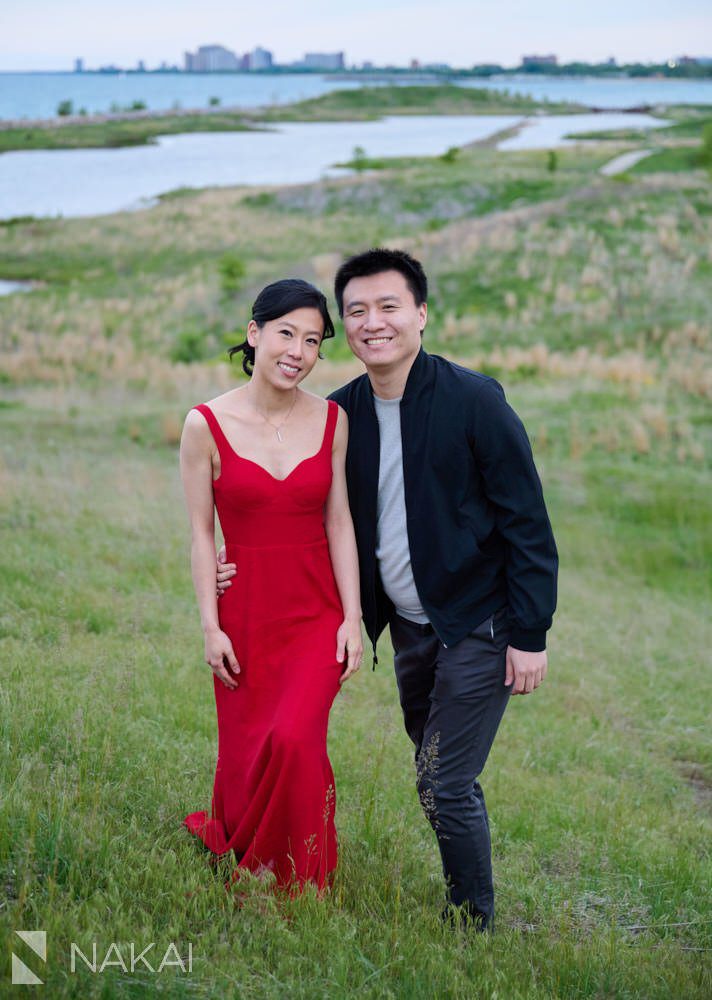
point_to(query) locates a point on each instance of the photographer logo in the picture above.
(22, 974)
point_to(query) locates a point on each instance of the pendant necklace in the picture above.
(277, 427)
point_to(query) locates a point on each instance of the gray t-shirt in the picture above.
(392, 549)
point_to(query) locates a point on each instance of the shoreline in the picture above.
(142, 127)
(250, 115)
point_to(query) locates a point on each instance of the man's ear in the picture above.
(423, 311)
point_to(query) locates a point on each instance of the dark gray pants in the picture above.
(453, 700)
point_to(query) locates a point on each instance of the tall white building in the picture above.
(259, 59)
(211, 59)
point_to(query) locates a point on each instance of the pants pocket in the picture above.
(495, 629)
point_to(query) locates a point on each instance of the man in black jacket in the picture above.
(455, 549)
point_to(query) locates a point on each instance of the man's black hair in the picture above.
(376, 261)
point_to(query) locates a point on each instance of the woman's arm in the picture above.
(197, 475)
(344, 556)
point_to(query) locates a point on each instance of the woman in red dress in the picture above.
(280, 641)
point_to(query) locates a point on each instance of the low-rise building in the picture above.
(323, 60)
(529, 62)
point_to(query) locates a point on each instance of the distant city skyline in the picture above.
(52, 34)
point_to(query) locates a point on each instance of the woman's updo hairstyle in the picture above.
(278, 299)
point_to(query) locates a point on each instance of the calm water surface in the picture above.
(10, 287)
(36, 95)
(594, 92)
(99, 181)
(543, 132)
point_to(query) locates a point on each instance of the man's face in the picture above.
(382, 322)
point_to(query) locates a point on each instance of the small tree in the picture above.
(552, 161)
(359, 160)
(65, 108)
(214, 102)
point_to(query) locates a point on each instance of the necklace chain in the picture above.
(277, 427)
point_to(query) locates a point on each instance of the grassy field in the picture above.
(684, 145)
(588, 297)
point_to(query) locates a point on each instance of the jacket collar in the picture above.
(418, 376)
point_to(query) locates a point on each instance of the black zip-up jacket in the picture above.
(478, 530)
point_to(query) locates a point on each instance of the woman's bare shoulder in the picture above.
(313, 404)
(196, 424)
(230, 402)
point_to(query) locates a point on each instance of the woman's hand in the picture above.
(218, 649)
(225, 571)
(349, 646)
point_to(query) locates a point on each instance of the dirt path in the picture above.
(621, 163)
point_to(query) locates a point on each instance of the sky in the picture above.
(50, 34)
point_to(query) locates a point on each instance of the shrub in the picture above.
(232, 271)
(552, 161)
(450, 155)
(706, 149)
(214, 102)
(262, 200)
(190, 345)
(65, 108)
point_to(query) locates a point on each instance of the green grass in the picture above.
(673, 160)
(688, 128)
(599, 843)
(431, 192)
(108, 134)
(589, 300)
(374, 102)
(689, 125)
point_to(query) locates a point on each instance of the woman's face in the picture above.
(286, 349)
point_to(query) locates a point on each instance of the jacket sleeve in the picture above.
(511, 483)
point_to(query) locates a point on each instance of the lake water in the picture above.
(99, 181)
(543, 132)
(594, 92)
(36, 95)
(10, 287)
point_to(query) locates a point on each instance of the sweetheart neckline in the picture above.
(309, 458)
(242, 458)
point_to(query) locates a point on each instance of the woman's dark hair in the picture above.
(278, 299)
(376, 261)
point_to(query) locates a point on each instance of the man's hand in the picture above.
(218, 649)
(225, 571)
(349, 647)
(525, 671)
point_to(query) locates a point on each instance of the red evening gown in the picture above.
(273, 796)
